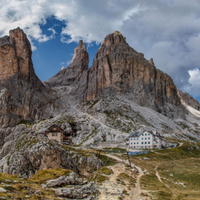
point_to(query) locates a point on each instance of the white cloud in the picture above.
(194, 82)
(168, 31)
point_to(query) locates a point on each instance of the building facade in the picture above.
(55, 133)
(145, 140)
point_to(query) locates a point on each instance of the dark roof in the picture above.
(138, 133)
(159, 135)
(50, 129)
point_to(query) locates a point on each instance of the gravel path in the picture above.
(137, 190)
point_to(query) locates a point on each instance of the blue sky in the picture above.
(167, 31)
(49, 57)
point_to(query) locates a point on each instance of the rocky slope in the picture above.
(20, 88)
(26, 153)
(189, 100)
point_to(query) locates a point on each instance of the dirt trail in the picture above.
(111, 190)
(159, 178)
(136, 192)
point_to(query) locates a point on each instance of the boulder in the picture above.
(77, 192)
(71, 179)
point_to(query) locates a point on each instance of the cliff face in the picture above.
(20, 88)
(118, 68)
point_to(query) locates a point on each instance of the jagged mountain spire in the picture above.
(78, 65)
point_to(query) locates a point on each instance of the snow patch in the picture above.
(191, 109)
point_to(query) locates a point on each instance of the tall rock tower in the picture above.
(20, 88)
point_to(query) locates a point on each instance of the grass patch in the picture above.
(105, 170)
(48, 174)
(164, 195)
(117, 150)
(98, 178)
(129, 180)
(107, 160)
(94, 103)
(26, 140)
(176, 166)
(66, 118)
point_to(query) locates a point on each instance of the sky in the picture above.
(166, 30)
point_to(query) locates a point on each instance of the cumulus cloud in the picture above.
(168, 31)
(193, 86)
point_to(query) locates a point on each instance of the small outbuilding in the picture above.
(54, 132)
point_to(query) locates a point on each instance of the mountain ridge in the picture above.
(118, 72)
(118, 68)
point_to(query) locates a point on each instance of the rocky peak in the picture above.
(114, 38)
(78, 65)
(80, 57)
(15, 56)
(78, 50)
(119, 69)
(151, 62)
(20, 88)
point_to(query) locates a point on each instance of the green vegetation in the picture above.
(48, 174)
(106, 171)
(106, 160)
(142, 120)
(125, 179)
(28, 123)
(117, 150)
(114, 118)
(65, 118)
(179, 169)
(98, 178)
(25, 140)
(93, 103)
(19, 188)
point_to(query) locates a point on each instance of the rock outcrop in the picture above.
(87, 164)
(20, 88)
(78, 192)
(25, 153)
(71, 179)
(31, 154)
(189, 100)
(119, 69)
